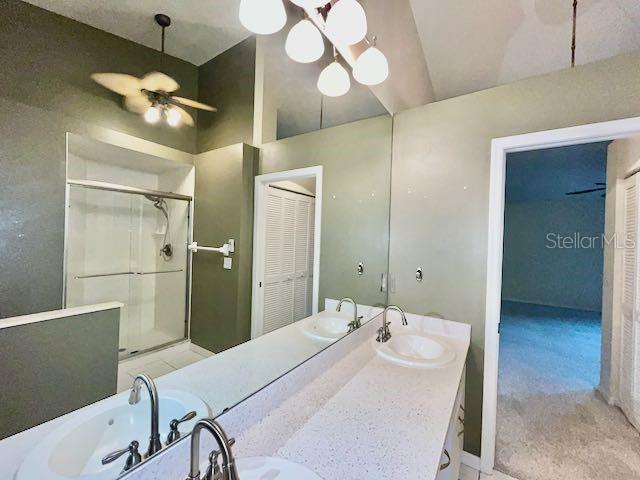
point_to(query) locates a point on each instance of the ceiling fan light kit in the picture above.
(152, 95)
(344, 23)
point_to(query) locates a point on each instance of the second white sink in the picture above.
(327, 326)
(416, 349)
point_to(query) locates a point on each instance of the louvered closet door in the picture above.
(629, 365)
(288, 246)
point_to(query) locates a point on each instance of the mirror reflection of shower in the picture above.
(127, 228)
(166, 251)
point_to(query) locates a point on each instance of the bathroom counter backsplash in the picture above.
(345, 413)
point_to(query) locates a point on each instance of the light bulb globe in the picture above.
(310, 4)
(174, 118)
(263, 17)
(334, 80)
(304, 43)
(152, 115)
(347, 22)
(371, 68)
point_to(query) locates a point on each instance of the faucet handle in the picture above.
(133, 459)
(213, 470)
(174, 433)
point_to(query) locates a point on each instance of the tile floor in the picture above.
(156, 364)
(468, 473)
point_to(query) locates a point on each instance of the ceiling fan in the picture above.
(600, 186)
(152, 95)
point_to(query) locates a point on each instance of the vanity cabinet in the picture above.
(451, 458)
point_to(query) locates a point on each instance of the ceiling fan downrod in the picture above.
(164, 21)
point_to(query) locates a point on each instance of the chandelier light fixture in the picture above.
(343, 23)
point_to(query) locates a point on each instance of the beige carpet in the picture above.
(551, 423)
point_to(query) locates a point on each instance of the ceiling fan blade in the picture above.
(120, 83)
(580, 192)
(137, 103)
(194, 104)
(185, 117)
(158, 81)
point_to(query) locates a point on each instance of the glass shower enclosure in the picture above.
(129, 245)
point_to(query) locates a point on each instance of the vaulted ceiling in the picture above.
(437, 49)
(471, 45)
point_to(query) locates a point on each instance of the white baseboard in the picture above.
(471, 460)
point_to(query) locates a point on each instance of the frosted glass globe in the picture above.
(310, 4)
(173, 117)
(263, 17)
(152, 115)
(334, 81)
(304, 42)
(371, 68)
(347, 22)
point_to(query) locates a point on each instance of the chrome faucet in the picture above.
(384, 334)
(155, 445)
(228, 469)
(356, 320)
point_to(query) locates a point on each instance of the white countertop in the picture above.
(385, 422)
(345, 414)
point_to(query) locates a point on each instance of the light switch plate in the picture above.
(228, 261)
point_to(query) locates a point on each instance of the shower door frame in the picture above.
(117, 188)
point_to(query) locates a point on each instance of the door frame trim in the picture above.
(261, 184)
(500, 147)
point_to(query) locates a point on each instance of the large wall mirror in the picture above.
(151, 243)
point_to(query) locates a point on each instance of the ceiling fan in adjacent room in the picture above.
(599, 187)
(152, 95)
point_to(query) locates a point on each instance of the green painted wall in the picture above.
(355, 213)
(440, 190)
(79, 352)
(45, 91)
(221, 299)
(227, 82)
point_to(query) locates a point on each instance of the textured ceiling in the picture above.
(437, 49)
(201, 29)
(471, 45)
(550, 173)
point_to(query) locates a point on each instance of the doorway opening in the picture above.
(551, 318)
(620, 353)
(286, 261)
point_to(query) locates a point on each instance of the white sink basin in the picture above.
(416, 349)
(326, 326)
(271, 468)
(75, 449)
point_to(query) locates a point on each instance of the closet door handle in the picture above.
(445, 465)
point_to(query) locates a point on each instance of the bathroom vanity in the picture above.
(348, 413)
